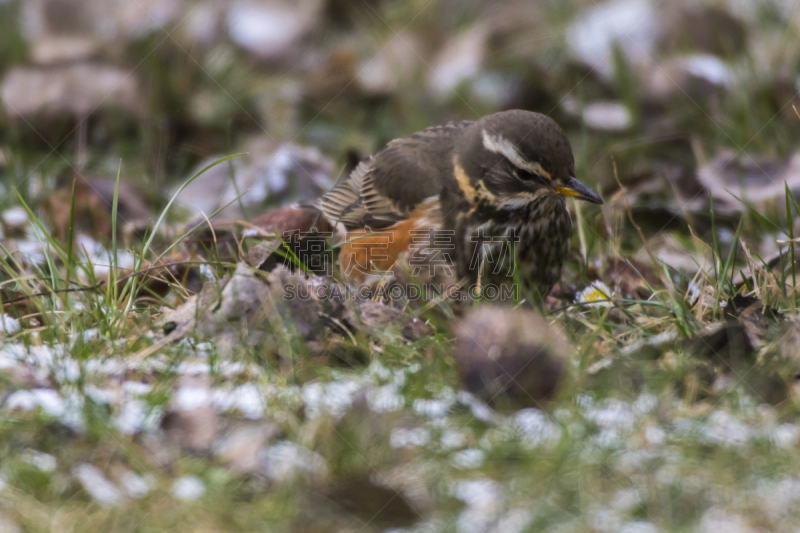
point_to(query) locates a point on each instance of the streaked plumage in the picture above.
(499, 178)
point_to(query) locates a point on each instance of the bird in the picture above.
(489, 194)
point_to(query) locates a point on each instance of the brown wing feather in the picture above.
(387, 187)
(343, 203)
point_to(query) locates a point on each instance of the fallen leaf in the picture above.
(74, 90)
(756, 180)
(94, 200)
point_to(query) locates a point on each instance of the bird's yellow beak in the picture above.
(576, 189)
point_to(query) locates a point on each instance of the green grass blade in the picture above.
(154, 230)
(791, 244)
(70, 239)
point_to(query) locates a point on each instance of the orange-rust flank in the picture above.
(369, 253)
(366, 252)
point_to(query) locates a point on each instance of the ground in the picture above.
(143, 389)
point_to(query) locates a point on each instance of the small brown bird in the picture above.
(491, 191)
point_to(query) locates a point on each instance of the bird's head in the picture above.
(517, 157)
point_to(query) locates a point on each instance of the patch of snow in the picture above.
(133, 417)
(452, 439)
(613, 414)
(48, 399)
(15, 217)
(41, 355)
(536, 428)
(785, 436)
(654, 435)
(67, 371)
(607, 116)
(631, 24)
(188, 488)
(479, 408)
(379, 371)
(708, 67)
(97, 486)
(248, 400)
(778, 498)
(459, 61)
(645, 404)
(482, 499)
(331, 398)
(43, 461)
(468, 459)
(8, 324)
(484, 493)
(638, 527)
(193, 368)
(233, 368)
(190, 397)
(409, 438)
(604, 519)
(285, 460)
(268, 29)
(11, 355)
(724, 428)
(715, 520)
(32, 251)
(136, 388)
(514, 521)
(134, 485)
(432, 408)
(385, 399)
(626, 500)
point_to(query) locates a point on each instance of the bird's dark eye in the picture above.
(526, 175)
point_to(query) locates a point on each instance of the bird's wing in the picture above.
(387, 187)
(343, 203)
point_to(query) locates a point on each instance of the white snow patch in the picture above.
(385, 399)
(432, 408)
(607, 116)
(482, 497)
(723, 428)
(536, 428)
(136, 388)
(331, 398)
(638, 527)
(97, 486)
(43, 461)
(189, 397)
(468, 459)
(409, 438)
(284, 460)
(452, 439)
(15, 217)
(48, 399)
(134, 485)
(715, 520)
(188, 488)
(709, 67)
(133, 417)
(8, 324)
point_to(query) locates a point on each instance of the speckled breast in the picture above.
(524, 247)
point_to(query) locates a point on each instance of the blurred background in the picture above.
(682, 114)
(688, 98)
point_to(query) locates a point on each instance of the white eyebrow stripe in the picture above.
(500, 145)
